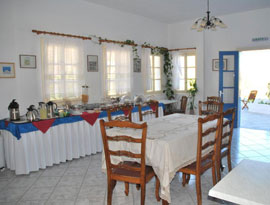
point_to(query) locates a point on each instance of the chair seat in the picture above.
(149, 172)
(191, 169)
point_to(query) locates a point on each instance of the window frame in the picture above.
(46, 76)
(186, 54)
(152, 57)
(105, 76)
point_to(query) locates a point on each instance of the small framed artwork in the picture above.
(28, 61)
(92, 63)
(215, 64)
(7, 70)
(137, 65)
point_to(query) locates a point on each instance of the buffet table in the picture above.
(33, 146)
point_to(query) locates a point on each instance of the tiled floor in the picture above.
(82, 182)
(254, 120)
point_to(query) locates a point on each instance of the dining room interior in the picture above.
(134, 102)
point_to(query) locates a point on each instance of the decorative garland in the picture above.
(167, 67)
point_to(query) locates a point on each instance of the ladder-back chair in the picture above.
(126, 171)
(206, 153)
(210, 107)
(183, 105)
(127, 113)
(153, 104)
(225, 145)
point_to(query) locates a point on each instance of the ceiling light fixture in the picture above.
(208, 22)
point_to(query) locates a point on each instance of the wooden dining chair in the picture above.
(153, 104)
(210, 107)
(214, 98)
(127, 171)
(183, 105)
(205, 158)
(123, 117)
(225, 145)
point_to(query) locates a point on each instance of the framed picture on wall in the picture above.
(137, 65)
(92, 63)
(7, 70)
(215, 64)
(28, 61)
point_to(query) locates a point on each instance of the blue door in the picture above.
(229, 82)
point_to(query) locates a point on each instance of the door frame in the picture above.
(236, 103)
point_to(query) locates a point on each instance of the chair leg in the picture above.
(138, 186)
(184, 179)
(157, 188)
(198, 189)
(214, 173)
(142, 194)
(229, 160)
(188, 178)
(126, 188)
(111, 185)
(218, 165)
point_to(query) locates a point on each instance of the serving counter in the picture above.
(32, 146)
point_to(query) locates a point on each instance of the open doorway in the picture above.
(254, 70)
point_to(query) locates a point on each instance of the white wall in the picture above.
(19, 17)
(242, 27)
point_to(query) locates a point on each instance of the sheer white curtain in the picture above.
(146, 67)
(178, 71)
(117, 70)
(62, 68)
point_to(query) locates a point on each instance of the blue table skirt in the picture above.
(18, 129)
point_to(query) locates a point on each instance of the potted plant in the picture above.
(192, 92)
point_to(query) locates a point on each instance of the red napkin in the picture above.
(153, 107)
(90, 117)
(43, 125)
(126, 111)
(6, 123)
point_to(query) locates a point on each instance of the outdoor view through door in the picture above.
(254, 78)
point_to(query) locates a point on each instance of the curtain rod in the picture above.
(61, 34)
(103, 40)
(179, 49)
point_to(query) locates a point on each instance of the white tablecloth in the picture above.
(60, 143)
(171, 144)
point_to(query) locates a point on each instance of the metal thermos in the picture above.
(51, 108)
(14, 113)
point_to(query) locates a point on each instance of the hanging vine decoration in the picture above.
(167, 67)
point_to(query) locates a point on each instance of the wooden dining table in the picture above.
(170, 145)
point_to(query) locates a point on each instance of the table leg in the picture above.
(164, 202)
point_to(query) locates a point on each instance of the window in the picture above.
(117, 70)
(184, 70)
(62, 69)
(154, 76)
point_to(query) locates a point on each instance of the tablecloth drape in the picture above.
(63, 141)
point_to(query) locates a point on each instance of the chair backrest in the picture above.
(127, 116)
(153, 104)
(214, 98)
(183, 104)
(127, 139)
(204, 140)
(252, 95)
(230, 116)
(210, 107)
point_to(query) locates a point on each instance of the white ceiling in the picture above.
(170, 11)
